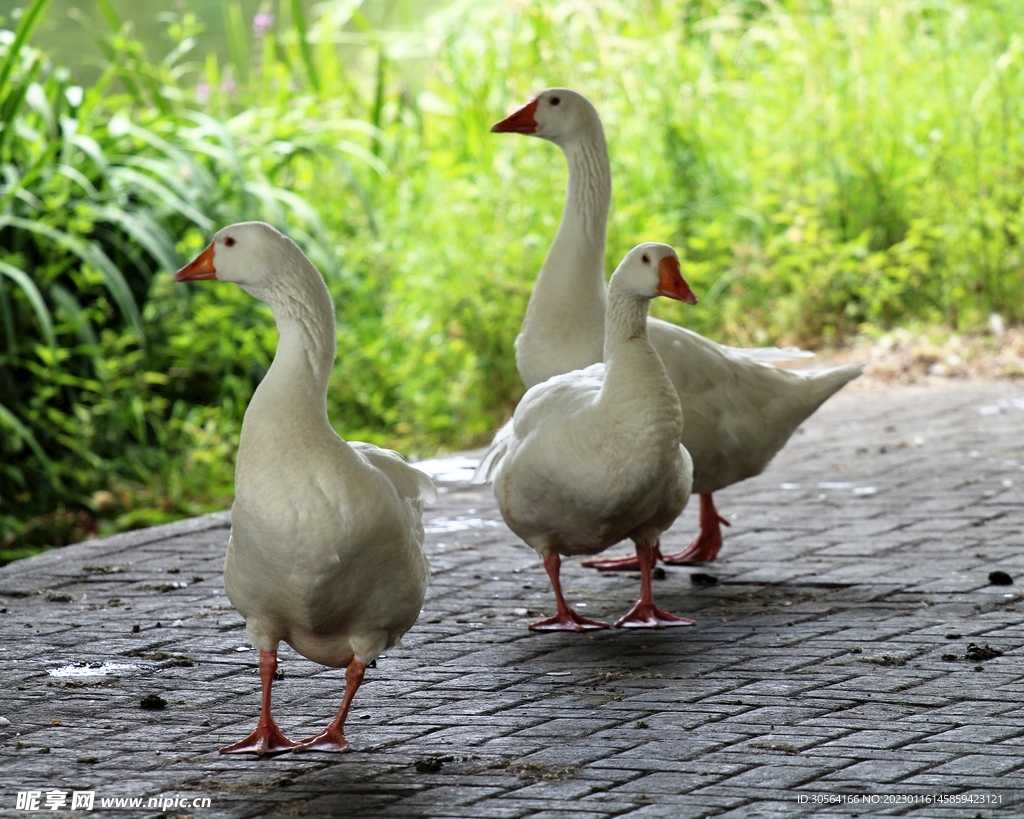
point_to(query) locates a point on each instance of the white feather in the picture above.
(326, 544)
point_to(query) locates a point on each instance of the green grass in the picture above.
(827, 168)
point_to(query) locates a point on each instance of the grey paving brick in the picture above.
(816, 666)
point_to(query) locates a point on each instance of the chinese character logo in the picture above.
(28, 800)
(82, 799)
(55, 800)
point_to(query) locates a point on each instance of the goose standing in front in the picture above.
(739, 411)
(326, 548)
(593, 456)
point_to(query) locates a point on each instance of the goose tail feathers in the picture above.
(488, 465)
(822, 384)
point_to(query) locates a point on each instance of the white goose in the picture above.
(593, 456)
(739, 412)
(326, 537)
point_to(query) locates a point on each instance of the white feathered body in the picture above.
(326, 544)
(592, 456)
(739, 411)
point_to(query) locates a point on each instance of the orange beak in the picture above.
(201, 267)
(671, 282)
(520, 122)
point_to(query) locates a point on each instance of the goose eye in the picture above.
(646, 258)
(555, 100)
(230, 241)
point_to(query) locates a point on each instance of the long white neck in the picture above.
(295, 387)
(634, 375)
(564, 325)
(587, 196)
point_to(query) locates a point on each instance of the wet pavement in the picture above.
(845, 660)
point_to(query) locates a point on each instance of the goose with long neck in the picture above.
(592, 456)
(326, 541)
(566, 311)
(740, 410)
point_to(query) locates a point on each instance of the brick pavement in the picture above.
(828, 658)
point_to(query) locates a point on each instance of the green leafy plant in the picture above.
(826, 168)
(113, 381)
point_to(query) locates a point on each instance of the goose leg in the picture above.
(644, 613)
(565, 619)
(332, 738)
(709, 539)
(267, 739)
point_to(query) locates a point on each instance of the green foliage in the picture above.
(826, 167)
(115, 381)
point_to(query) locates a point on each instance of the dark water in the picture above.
(70, 28)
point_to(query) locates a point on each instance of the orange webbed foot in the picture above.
(266, 740)
(567, 621)
(708, 542)
(648, 615)
(331, 740)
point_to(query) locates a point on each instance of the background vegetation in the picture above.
(828, 167)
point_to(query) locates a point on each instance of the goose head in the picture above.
(253, 255)
(556, 114)
(651, 269)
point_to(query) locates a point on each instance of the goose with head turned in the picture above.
(326, 539)
(740, 411)
(592, 456)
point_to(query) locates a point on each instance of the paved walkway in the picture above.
(831, 661)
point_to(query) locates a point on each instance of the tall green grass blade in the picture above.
(378, 98)
(299, 20)
(43, 163)
(145, 230)
(110, 15)
(83, 327)
(13, 423)
(339, 13)
(87, 145)
(79, 179)
(172, 151)
(238, 41)
(124, 251)
(11, 105)
(212, 138)
(280, 202)
(130, 179)
(85, 331)
(38, 102)
(356, 150)
(7, 317)
(94, 256)
(175, 55)
(174, 172)
(29, 20)
(35, 298)
(113, 70)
